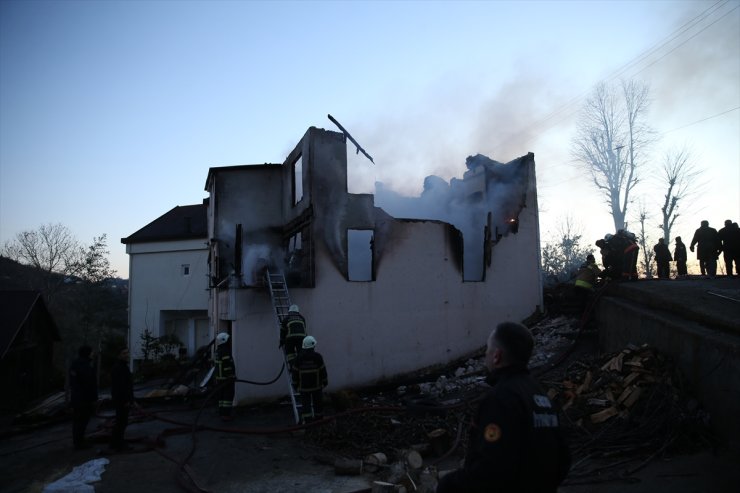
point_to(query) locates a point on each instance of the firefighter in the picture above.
(627, 242)
(586, 277)
(292, 332)
(309, 375)
(225, 376)
(515, 441)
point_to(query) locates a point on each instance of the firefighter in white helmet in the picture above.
(310, 378)
(225, 376)
(292, 331)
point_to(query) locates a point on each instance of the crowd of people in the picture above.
(619, 254)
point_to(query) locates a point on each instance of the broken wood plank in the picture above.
(632, 398)
(604, 415)
(585, 385)
(631, 377)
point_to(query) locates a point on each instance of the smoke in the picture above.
(704, 64)
(487, 187)
(255, 257)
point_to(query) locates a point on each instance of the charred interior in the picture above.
(483, 206)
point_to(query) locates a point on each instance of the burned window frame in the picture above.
(372, 254)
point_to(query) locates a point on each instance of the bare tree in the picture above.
(644, 241)
(562, 257)
(612, 140)
(680, 179)
(52, 249)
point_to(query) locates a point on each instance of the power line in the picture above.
(686, 41)
(645, 54)
(566, 163)
(702, 120)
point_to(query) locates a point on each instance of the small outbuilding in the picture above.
(27, 337)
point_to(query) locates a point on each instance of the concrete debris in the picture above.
(630, 403)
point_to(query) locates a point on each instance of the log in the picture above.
(374, 462)
(347, 467)
(439, 439)
(411, 458)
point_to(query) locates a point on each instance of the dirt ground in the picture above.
(232, 459)
(259, 452)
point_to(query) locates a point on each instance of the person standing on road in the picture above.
(729, 237)
(663, 259)
(515, 442)
(122, 395)
(680, 256)
(225, 376)
(83, 386)
(708, 249)
(310, 377)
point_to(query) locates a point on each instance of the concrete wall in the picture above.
(157, 284)
(710, 359)
(417, 311)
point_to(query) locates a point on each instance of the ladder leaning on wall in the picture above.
(281, 303)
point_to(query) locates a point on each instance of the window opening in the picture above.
(185, 268)
(360, 254)
(298, 179)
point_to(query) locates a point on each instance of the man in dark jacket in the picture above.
(83, 387)
(515, 443)
(729, 239)
(310, 377)
(122, 395)
(663, 259)
(708, 249)
(680, 256)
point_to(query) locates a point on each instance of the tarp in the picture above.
(78, 480)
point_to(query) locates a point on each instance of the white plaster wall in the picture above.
(156, 283)
(417, 313)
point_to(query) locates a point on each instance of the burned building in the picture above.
(385, 290)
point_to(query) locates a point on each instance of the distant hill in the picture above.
(84, 313)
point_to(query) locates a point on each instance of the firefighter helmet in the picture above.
(293, 309)
(309, 342)
(221, 338)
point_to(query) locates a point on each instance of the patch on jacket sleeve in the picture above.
(492, 433)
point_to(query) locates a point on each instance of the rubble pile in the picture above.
(361, 434)
(551, 338)
(435, 404)
(630, 405)
(619, 410)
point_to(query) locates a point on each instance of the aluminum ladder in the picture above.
(281, 303)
